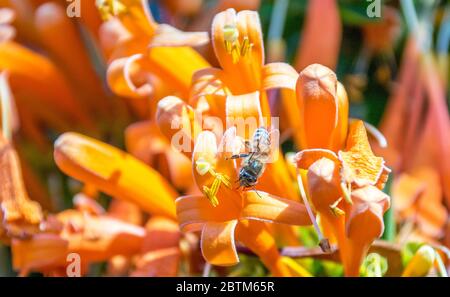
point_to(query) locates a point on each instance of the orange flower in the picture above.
(19, 215)
(36, 83)
(146, 142)
(237, 91)
(319, 92)
(60, 37)
(345, 189)
(418, 199)
(93, 237)
(230, 213)
(141, 46)
(160, 252)
(416, 124)
(238, 45)
(114, 172)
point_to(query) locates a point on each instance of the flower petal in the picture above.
(29, 70)
(244, 65)
(306, 158)
(114, 172)
(177, 121)
(323, 184)
(265, 207)
(364, 224)
(122, 76)
(42, 251)
(19, 215)
(209, 92)
(279, 75)
(145, 141)
(166, 232)
(256, 236)
(61, 38)
(244, 112)
(359, 163)
(158, 263)
(366, 217)
(97, 238)
(217, 242)
(125, 211)
(161, 253)
(186, 59)
(194, 211)
(316, 94)
(166, 35)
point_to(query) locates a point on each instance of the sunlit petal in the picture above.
(114, 172)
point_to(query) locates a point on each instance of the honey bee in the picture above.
(261, 150)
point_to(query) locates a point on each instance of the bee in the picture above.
(261, 150)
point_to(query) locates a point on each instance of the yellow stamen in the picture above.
(228, 46)
(235, 53)
(223, 179)
(245, 46)
(232, 45)
(110, 8)
(209, 193)
(202, 167)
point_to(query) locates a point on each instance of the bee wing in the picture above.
(274, 135)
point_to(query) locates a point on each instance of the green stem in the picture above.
(389, 219)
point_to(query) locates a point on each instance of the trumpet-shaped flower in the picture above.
(224, 214)
(319, 92)
(345, 189)
(139, 46)
(93, 237)
(20, 216)
(114, 172)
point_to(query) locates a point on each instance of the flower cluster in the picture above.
(224, 153)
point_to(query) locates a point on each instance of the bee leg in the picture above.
(237, 156)
(239, 185)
